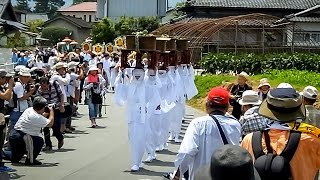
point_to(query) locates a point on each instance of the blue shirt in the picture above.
(22, 61)
(14, 57)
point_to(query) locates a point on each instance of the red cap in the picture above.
(219, 96)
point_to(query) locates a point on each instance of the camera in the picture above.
(95, 85)
(47, 110)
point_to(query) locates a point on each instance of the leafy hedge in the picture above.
(260, 63)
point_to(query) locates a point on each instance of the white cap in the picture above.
(60, 65)
(25, 72)
(250, 97)
(93, 68)
(310, 92)
(73, 64)
(285, 85)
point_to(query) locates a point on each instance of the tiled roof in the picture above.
(268, 4)
(81, 7)
(73, 20)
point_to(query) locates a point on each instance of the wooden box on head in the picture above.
(162, 53)
(184, 54)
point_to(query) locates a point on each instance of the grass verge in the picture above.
(298, 79)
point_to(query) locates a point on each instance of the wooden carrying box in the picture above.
(182, 44)
(161, 44)
(171, 45)
(131, 42)
(147, 43)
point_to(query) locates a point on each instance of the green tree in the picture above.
(16, 41)
(103, 31)
(23, 5)
(130, 25)
(48, 6)
(35, 25)
(178, 9)
(55, 34)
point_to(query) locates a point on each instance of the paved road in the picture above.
(98, 154)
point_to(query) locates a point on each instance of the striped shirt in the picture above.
(52, 94)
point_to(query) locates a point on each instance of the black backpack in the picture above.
(271, 166)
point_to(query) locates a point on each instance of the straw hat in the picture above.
(244, 75)
(74, 43)
(67, 39)
(60, 65)
(264, 82)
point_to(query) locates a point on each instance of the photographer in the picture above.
(5, 95)
(94, 87)
(71, 89)
(26, 138)
(63, 79)
(22, 93)
(53, 94)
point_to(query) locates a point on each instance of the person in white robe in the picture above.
(133, 95)
(113, 73)
(176, 114)
(153, 85)
(203, 137)
(167, 103)
(106, 67)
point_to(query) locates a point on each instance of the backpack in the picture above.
(271, 166)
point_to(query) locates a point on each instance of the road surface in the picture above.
(98, 154)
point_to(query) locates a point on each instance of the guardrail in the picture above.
(8, 67)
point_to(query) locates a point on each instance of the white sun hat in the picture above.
(310, 92)
(250, 97)
(264, 82)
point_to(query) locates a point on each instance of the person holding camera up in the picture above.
(63, 80)
(5, 95)
(94, 87)
(71, 89)
(51, 91)
(22, 93)
(26, 138)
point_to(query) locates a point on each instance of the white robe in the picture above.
(133, 95)
(201, 139)
(113, 73)
(166, 106)
(153, 86)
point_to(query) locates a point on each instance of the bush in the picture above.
(55, 34)
(256, 64)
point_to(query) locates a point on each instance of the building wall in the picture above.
(114, 9)
(78, 34)
(31, 17)
(87, 16)
(305, 34)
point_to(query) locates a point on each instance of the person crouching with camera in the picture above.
(51, 91)
(26, 138)
(94, 87)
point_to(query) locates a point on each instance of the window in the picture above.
(85, 17)
(315, 37)
(90, 18)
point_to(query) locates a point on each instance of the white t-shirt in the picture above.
(30, 122)
(62, 82)
(70, 88)
(19, 91)
(106, 64)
